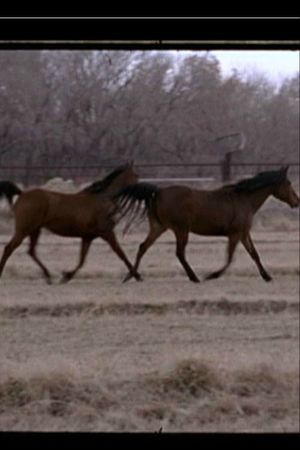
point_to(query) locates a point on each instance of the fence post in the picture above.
(226, 167)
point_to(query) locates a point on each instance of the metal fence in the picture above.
(30, 175)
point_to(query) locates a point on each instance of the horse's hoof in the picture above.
(47, 278)
(195, 280)
(66, 276)
(267, 278)
(138, 277)
(128, 277)
(212, 276)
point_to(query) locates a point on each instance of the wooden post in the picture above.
(226, 167)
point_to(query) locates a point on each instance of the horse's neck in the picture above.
(258, 198)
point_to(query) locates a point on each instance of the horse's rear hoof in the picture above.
(66, 276)
(212, 276)
(138, 277)
(48, 280)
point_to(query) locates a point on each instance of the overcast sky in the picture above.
(274, 64)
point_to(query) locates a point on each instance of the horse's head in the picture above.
(284, 190)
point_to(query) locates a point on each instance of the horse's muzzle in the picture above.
(295, 204)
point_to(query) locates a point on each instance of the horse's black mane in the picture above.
(100, 185)
(259, 181)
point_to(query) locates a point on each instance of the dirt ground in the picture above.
(165, 353)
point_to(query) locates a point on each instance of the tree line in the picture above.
(90, 107)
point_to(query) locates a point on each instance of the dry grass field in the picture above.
(99, 355)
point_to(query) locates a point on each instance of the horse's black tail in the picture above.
(136, 200)
(8, 189)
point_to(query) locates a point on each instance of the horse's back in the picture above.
(199, 211)
(78, 215)
(175, 193)
(174, 204)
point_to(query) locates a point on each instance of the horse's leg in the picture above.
(181, 241)
(233, 240)
(111, 239)
(33, 239)
(249, 246)
(156, 230)
(85, 245)
(9, 248)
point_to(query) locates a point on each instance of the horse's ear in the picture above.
(131, 163)
(284, 170)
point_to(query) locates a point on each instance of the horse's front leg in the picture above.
(155, 231)
(233, 240)
(111, 239)
(181, 242)
(249, 246)
(85, 245)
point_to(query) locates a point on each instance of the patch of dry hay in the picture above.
(223, 307)
(55, 395)
(193, 395)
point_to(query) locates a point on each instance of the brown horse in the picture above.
(227, 211)
(87, 214)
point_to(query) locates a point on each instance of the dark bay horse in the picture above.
(87, 214)
(227, 211)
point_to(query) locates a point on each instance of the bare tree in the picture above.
(86, 107)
